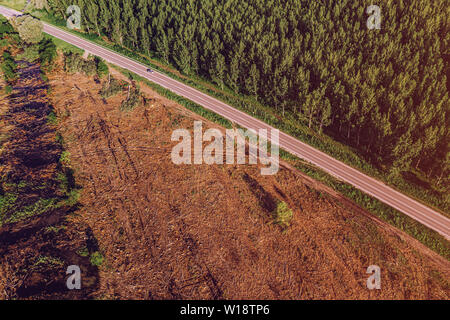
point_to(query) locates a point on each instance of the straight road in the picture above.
(369, 185)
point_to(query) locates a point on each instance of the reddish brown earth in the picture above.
(207, 232)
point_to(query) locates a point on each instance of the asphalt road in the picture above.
(371, 186)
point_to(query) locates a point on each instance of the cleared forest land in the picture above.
(38, 238)
(211, 232)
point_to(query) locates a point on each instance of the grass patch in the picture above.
(97, 259)
(63, 46)
(73, 197)
(48, 262)
(8, 89)
(55, 229)
(35, 209)
(83, 252)
(282, 215)
(52, 119)
(7, 202)
(14, 4)
(64, 159)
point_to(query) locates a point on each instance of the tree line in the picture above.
(23, 34)
(384, 92)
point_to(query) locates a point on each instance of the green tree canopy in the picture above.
(29, 29)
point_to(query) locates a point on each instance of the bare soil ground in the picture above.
(207, 231)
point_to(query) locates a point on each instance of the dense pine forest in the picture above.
(384, 92)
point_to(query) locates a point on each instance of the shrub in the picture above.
(9, 67)
(5, 27)
(29, 28)
(282, 215)
(52, 119)
(44, 76)
(84, 252)
(89, 67)
(96, 259)
(49, 261)
(8, 89)
(102, 67)
(111, 88)
(3, 42)
(30, 54)
(65, 159)
(74, 62)
(47, 52)
(132, 101)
